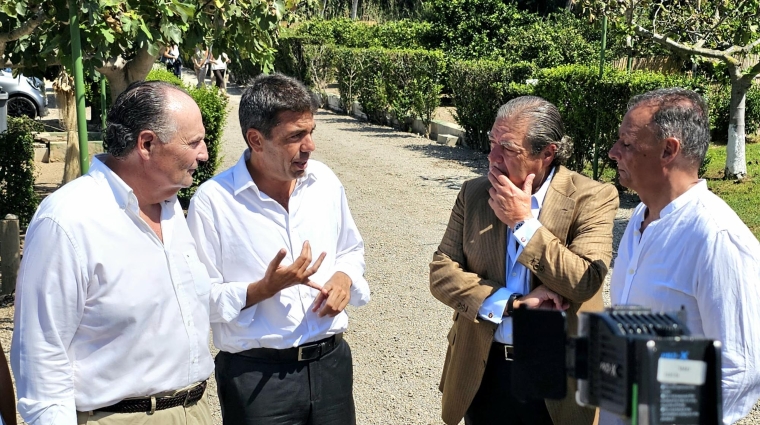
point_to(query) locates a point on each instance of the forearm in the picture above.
(462, 291)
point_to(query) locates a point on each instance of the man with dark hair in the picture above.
(111, 322)
(530, 227)
(683, 245)
(277, 316)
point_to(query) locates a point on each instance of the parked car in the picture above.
(26, 95)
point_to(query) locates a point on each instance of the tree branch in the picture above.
(688, 50)
(25, 29)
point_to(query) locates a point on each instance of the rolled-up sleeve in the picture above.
(50, 297)
(349, 257)
(227, 299)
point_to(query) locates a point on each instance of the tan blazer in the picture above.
(570, 254)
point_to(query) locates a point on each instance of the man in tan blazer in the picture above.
(530, 227)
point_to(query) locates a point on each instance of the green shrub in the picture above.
(391, 83)
(213, 106)
(403, 34)
(478, 89)
(17, 194)
(289, 58)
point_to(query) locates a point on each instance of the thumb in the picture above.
(528, 185)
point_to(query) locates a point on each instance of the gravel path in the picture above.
(401, 188)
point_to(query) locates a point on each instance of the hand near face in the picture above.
(510, 203)
(543, 298)
(279, 277)
(337, 297)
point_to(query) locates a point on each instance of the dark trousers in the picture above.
(494, 402)
(264, 392)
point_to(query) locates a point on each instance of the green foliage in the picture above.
(213, 106)
(391, 83)
(404, 34)
(290, 59)
(479, 88)
(719, 101)
(17, 194)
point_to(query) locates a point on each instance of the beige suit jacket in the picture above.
(570, 254)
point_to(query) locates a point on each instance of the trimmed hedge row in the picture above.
(213, 106)
(17, 169)
(403, 34)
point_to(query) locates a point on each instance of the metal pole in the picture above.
(76, 54)
(595, 163)
(103, 106)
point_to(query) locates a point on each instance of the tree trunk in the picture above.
(354, 8)
(736, 162)
(121, 73)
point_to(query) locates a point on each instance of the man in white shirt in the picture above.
(277, 317)
(532, 232)
(683, 245)
(112, 302)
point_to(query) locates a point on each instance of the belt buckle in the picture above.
(506, 353)
(309, 352)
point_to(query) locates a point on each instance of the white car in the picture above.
(26, 95)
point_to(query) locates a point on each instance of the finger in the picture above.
(275, 263)
(332, 303)
(528, 185)
(315, 267)
(318, 301)
(315, 285)
(305, 257)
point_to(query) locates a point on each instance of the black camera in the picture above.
(627, 360)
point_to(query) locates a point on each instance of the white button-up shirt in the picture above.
(700, 255)
(239, 229)
(517, 275)
(104, 310)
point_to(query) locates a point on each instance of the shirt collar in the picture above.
(537, 200)
(241, 178)
(122, 193)
(686, 197)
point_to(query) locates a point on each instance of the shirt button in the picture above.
(630, 271)
(490, 315)
(514, 274)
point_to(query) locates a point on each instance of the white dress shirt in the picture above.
(104, 310)
(700, 255)
(239, 229)
(517, 275)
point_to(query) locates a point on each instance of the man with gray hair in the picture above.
(530, 227)
(683, 245)
(277, 317)
(111, 322)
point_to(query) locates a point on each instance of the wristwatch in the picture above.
(511, 303)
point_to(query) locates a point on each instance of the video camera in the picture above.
(627, 360)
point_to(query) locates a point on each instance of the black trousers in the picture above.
(494, 402)
(263, 392)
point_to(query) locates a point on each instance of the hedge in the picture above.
(17, 194)
(213, 106)
(403, 34)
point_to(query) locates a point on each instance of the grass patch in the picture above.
(743, 197)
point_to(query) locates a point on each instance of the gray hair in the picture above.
(544, 125)
(142, 106)
(681, 114)
(268, 95)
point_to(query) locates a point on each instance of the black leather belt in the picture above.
(303, 353)
(151, 404)
(508, 351)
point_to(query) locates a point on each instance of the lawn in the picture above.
(743, 197)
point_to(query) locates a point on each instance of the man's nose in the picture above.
(493, 155)
(308, 144)
(613, 153)
(203, 154)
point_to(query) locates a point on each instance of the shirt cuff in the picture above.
(495, 305)
(228, 301)
(526, 231)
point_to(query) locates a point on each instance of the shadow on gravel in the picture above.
(476, 161)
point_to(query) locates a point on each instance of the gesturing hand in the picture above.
(510, 203)
(337, 297)
(544, 298)
(279, 277)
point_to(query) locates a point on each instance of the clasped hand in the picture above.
(542, 298)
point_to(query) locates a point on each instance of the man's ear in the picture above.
(146, 141)
(548, 154)
(670, 150)
(254, 139)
